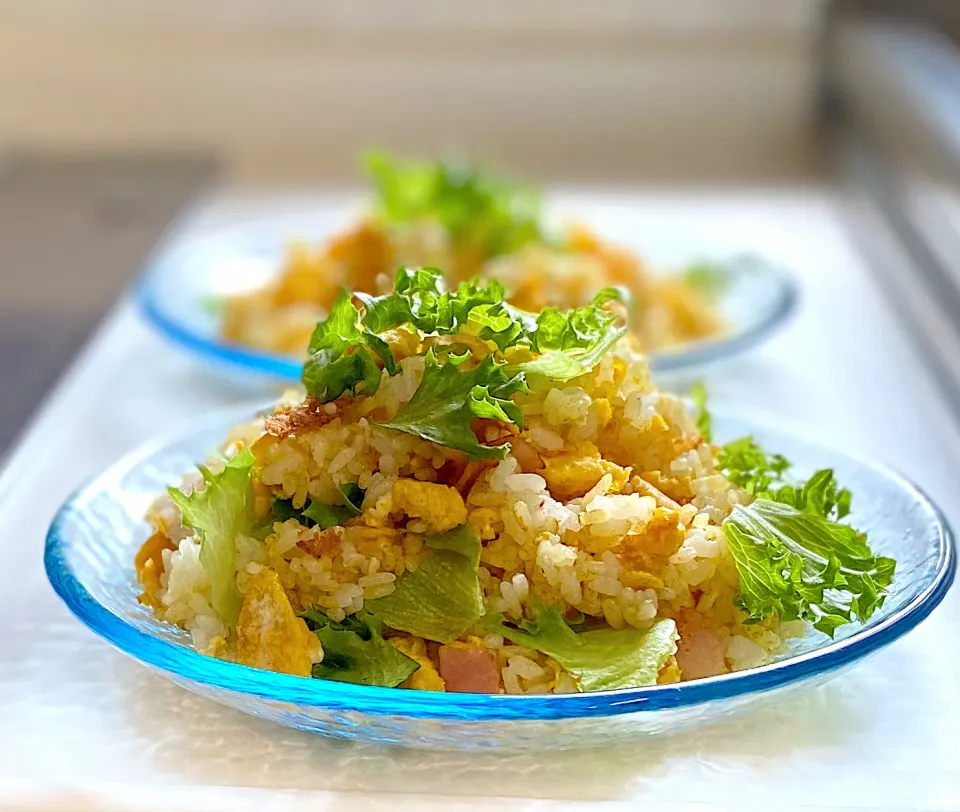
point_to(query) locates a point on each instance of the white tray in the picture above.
(82, 726)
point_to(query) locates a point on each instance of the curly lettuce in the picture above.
(449, 398)
(479, 212)
(347, 354)
(797, 564)
(343, 356)
(219, 512)
(794, 556)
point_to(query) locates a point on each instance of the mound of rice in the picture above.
(607, 506)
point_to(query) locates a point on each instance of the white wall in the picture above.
(289, 90)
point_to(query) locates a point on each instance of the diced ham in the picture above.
(526, 455)
(469, 670)
(470, 475)
(701, 648)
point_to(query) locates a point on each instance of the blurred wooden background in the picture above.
(287, 91)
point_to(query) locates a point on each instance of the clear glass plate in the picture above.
(93, 539)
(178, 291)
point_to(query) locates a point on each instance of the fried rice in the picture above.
(601, 503)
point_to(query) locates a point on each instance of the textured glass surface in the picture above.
(177, 292)
(92, 541)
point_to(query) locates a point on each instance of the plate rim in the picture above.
(185, 663)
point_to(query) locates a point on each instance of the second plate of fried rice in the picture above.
(248, 297)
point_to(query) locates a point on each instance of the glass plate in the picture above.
(93, 539)
(178, 293)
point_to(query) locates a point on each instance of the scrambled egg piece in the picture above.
(639, 579)
(670, 672)
(486, 521)
(149, 564)
(675, 487)
(602, 410)
(502, 552)
(651, 447)
(661, 537)
(572, 475)
(217, 647)
(426, 677)
(440, 507)
(269, 634)
(362, 253)
(149, 559)
(304, 277)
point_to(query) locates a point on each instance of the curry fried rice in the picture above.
(474, 498)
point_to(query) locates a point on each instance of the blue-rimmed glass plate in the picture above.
(179, 290)
(93, 539)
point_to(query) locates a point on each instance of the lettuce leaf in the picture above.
(283, 509)
(219, 513)
(570, 344)
(562, 365)
(327, 516)
(793, 557)
(419, 300)
(441, 599)
(346, 352)
(354, 651)
(463, 540)
(748, 466)
(709, 279)
(573, 340)
(318, 513)
(820, 495)
(764, 475)
(698, 394)
(343, 356)
(602, 659)
(449, 398)
(799, 564)
(478, 211)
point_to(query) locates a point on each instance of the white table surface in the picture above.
(82, 726)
